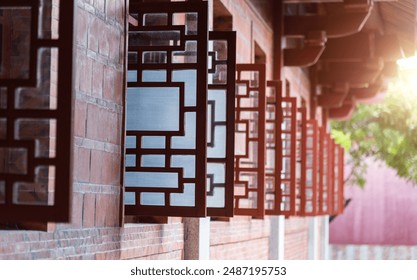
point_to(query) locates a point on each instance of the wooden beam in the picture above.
(335, 26)
(357, 74)
(314, 45)
(344, 112)
(333, 97)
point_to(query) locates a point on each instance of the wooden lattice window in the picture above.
(330, 185)
(300, 183)
(324, 172)
(36, 110)
(220, 123)
(273, 148)
(289, 164)
(309, 200)
(166, 112)
(338, 180)
(250, 105)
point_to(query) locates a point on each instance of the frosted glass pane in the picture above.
(154, 38)
(216, 200)
(185, 162)
(130, 142)
(155, 19)
(189, 77)
(44, 94)
(130, 198)
(153, 142)
(13, 160)
(270, 158)
(153, 109)
(157, 199)
(218, 170)
(154, 76)
(151, 179)
(184, 199)
(130, 160)
(17, 47)
(132, 76)
(219, 149)
(219, 96)
(240, 146)
(43, 131)
(39, 192)
(187, 56)
(153, 161)
(187, 141)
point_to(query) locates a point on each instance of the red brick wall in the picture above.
(94, 232)
(241, 238)
(296, 239)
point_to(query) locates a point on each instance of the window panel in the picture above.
(339, 180)
(273, 191)
(324, 172)
(166, 110)
(309, 199)
(250, 140)
(300, 159)
(220, 123)
(338, 164)
(289, 160)
(331, 170)
(36, 118)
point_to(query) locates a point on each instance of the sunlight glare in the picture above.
(407, 63)
(407, 75)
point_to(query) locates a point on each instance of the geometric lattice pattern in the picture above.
(250, 140)
(220, 123)
(325, 155)
(273, 148)
(289, 159)
(309, 196)
(338, 180)
(300, 183)
(36, 55)
(166, 114)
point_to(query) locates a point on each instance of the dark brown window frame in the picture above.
(60, 210)
(199, 209)
(258, 168)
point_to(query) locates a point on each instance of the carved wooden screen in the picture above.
(331, 170)
(166, 145)
(300, 176)
(36, 110)
(250, 140)
(220, 123)
(309, 200)
(338, 199)
(289, 164)
(273, 148)
(324, 174)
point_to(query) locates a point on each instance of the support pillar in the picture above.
(325, 237)
(277, 237)
(313, 238)
(196, 238)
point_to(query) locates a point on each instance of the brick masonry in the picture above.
(94, 232)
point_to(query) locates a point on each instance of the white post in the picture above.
(325, 237)
(277, 238)
(196, 238)
(313, 238)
